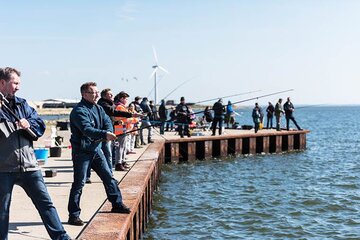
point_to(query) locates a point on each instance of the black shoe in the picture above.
(143, 143)
(76, 221)
(213, 134)
(120, 167)
(150, 141)
(88, 181)
(121, 209)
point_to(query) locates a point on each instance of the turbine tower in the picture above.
(156, 67)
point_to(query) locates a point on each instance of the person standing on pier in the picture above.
(230, 115)
(121, 126)
(289, 109)
(89, 125)
(257, 116)
(163, 112)
(219, 110)
(278, 113)
(182, 115)
(107, 103)
(18, 164)
(146, 121)
(138, 109)
(270, 115)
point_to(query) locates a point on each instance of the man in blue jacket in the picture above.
(18, 164)
(89, 125)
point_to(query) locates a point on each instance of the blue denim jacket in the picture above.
(16, 145)
(88, 123)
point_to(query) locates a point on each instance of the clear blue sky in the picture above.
(225, 47)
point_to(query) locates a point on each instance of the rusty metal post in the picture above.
(224, 148)
(175, 153)
(191, 151)
(208, 149)
(290, 142)
(252, 145)
(238, 145)
(266, 144)
(279, 143)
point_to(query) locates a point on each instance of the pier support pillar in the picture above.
(279, 144)
(208, 149)
(252, 145)
(290, 142)
(191, 151)
(266, 144)
(224, 148)
(302, 141)
(175, 152)
(238, 145)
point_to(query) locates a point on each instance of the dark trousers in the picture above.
(215, 122)
(288, 118)
(81, 162)
(183, 128)
(269, 120)
(257, 126)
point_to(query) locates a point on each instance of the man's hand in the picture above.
(110, 136)
(23, 123)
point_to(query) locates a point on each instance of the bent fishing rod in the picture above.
(234, 95)
(254, 98)
(5, 103)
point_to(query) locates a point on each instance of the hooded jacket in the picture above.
(16, 145)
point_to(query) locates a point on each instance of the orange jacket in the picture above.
(122, 124)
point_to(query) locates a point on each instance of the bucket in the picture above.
(41, 154)
(55, 152)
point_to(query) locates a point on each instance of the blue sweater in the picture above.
(88, 123)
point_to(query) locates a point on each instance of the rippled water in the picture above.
(305, 195)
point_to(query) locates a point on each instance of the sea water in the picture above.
(312, 194)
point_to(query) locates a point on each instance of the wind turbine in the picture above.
(156, 67)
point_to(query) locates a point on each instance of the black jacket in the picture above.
(110, 110)
(218, 109)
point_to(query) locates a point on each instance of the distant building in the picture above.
(170, 102)
(59, 103)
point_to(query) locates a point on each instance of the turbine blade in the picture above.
(164, 69)
(153, 73)
(155, 56)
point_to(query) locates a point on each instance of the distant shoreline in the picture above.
(54, 111)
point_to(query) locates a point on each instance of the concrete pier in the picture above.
(138, 184)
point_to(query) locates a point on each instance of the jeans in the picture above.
(81, 162)
(34, 186)
(107, 150)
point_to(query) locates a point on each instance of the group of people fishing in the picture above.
(279, 110)
(103, 131)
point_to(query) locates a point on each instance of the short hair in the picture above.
(104, 92)
(5, 73)
(86, 86)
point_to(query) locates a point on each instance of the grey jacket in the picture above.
(17, 153)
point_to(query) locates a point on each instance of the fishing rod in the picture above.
(234, 95)
(183, 83)
(254, 98)
(5, 103)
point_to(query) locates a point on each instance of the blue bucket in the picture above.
(41, 154)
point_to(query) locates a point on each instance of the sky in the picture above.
(211, 48)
